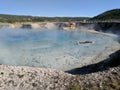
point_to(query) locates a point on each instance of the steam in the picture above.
(50, 26)
(50, 48)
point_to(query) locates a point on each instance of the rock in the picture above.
(30, 78)
(85, 42)
(26, 26)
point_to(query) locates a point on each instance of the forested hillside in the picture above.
(111, 14)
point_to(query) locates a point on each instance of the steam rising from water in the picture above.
(50, 48)
(50, 26)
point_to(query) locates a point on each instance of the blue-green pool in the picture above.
(58, 49)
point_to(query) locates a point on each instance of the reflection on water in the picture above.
(49, 48)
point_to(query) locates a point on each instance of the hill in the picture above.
(111, 14)
(22, 18)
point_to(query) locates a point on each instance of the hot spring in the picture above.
(56, 49)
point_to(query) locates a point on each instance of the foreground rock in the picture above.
(105, 80)
(28, 78)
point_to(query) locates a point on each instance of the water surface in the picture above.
(56, 49)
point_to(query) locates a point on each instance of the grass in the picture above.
(75, 87)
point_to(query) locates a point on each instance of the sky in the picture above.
(52, 8)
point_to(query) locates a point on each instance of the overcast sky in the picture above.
(57, 7)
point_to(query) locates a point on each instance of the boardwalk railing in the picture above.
(100, 21)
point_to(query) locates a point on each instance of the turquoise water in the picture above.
(56, 49)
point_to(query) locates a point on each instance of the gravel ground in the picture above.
(29, 78)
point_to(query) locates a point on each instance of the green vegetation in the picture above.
(75, 87)
(111, 26)
(111, 14)
(17, 18)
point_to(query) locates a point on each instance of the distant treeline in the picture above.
(17, 18)
(111, 14)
